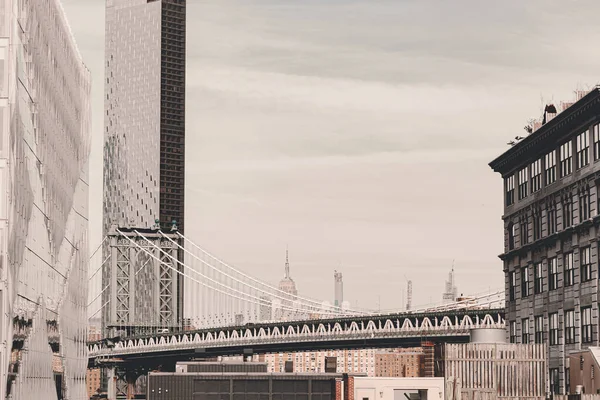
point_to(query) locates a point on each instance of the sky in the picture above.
(358, 133)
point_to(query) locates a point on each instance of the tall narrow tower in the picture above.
(338, 288)
(408, 295)
(144, 135)
(144, 141)
(451, 291)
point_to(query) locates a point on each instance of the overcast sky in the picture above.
(358, 133)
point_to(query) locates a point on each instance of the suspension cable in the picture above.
(261, 302)
(334, 309)
(246, 275)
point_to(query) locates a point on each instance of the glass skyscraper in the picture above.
(144, 139)
(144, 118)
(44, 148)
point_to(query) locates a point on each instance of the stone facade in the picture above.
(551, 230)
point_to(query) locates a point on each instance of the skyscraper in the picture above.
(144, 156)
(44, 149)
(451, 291)
(287, 284)
(144, 135)
(338, 289)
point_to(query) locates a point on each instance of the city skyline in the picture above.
(321, 157)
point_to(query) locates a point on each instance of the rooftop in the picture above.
(548, 135)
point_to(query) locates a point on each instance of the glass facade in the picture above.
(44, 148)
(144, 132)
(144, 135)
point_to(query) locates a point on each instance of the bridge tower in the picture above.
(143, 282)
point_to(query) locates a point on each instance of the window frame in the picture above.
(554, 380)
(553, 274)
(510, 190)
(567, 211)
(524, 231)
(585, 262)
(513, 331)
(566, 159)
(523, 183)
(584, 205)
(596, 140)
(525, 292)
(570, 331)
(550, 168)
(553, 326)
(551, 221)
(538, 278)
(538, 328)
(512, 285)
(536, 175)
(568, 269)
(582, 144)
(525, 331)
(587, 333)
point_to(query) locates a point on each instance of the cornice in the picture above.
(561, 125)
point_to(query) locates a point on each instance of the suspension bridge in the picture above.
(161, 294)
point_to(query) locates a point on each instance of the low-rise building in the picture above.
(400, 363)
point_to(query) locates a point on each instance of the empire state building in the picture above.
(287, 284)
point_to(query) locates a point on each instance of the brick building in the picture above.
(400, 363)
(93, 376)
(551, 221)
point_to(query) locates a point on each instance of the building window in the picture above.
(513, 331)
(536, 176)
(584, 205)
(554, 381)
(551, 220)
(570, 327)
(512, 284)
(525, 330)
(537, 225)
(583, 150)
(550, 169)
(538, 279)
(552, 273)
(586, 264)
(524, 281)
(510, 190)
(539, 329)
(511, 236)
(553, 331)
(566, 157)
(567, 211)
(524, 228)
(586, 325)
(596, 130)
(523, 180)
(567, 380)
(569, 270)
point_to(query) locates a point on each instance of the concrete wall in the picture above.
(590, 381)
(391, 388)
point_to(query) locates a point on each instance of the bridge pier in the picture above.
(121, 384)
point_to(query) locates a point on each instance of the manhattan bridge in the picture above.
(160, 291)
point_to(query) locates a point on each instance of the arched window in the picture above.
(511, 236)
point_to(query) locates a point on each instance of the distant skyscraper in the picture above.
(451, 291)
(287, 284)
(338, 288)
(144, 119)
(44, 152)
